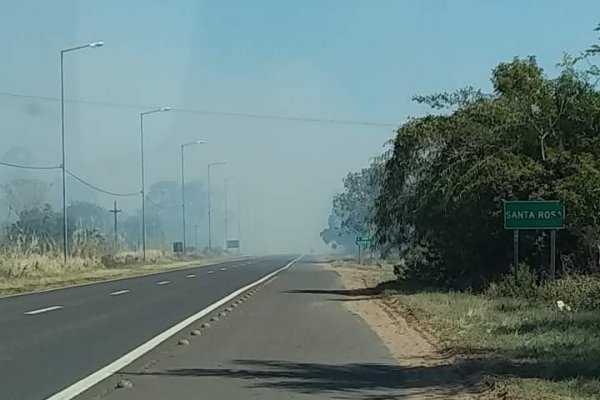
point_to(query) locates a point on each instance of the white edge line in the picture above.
(118, 292)
(110, 369)
(43, 310)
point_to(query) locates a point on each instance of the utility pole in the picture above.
(209, 166)
(209, 213)
(183, 146)
(115, 211)
(63, 165)
(225, 205)
(196, 238)
(143, 173)
(238, 224)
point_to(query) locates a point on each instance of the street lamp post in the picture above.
(209, 210)
(163, 109)
(226, 206)
(62, 136)
(183, 146)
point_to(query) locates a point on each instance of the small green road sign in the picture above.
(363, 240)
(535, 214)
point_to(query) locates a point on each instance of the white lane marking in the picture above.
(191, 276)
(210, 272)
(119, 292)
(163, 282)
(103, 373)
(223, 269)
(43, 310)
(194, 265)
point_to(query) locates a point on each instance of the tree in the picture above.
(38, 229)
(534, 138)
(89, 216)
(164, 207)
(25, 193)
(352, 209)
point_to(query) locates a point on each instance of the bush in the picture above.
(422, 264)
(578, 291)
(525, 286)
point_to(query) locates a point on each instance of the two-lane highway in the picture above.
(50, 340)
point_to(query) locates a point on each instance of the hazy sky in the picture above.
(332, 59)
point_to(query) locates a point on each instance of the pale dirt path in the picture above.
(386, 316)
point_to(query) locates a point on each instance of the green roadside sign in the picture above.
(363, 240)
(535, 214)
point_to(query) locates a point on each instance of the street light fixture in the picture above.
(62, 134)
(163, 109)
(209, 210)
(183, 146)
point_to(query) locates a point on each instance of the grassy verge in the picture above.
(526, 350)
(40, 272)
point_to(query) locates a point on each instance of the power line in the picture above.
(212, 112)
(81, 180)
(28, 166)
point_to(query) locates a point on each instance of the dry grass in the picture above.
(21, 272)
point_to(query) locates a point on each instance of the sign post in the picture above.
(552, 254)
(534, 214)
(359, 260)
(360, 241)
(516, 253)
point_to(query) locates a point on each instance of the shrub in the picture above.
(578, 291)
(525, 286)
(422, 264)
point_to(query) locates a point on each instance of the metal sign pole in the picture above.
(359, 259)
(516, 253)
(553, 254)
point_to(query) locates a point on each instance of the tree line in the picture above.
(32, 223)
(435, 198)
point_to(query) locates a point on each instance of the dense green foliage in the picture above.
(534, 138)
(437, 197)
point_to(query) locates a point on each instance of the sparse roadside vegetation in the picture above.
(522, 347)
(20, 273)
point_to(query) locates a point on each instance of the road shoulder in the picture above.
(410, 345)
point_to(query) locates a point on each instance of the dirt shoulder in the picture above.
(413, 347)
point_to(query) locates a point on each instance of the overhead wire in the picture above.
(92, 186)
(29, 166)
(212, 112)
(74, 176)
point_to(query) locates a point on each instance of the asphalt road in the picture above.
(52, 339)
(293, 339)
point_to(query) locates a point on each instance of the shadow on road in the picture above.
(369, 291)
(372, 381)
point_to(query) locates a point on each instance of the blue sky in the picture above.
(342, 59)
